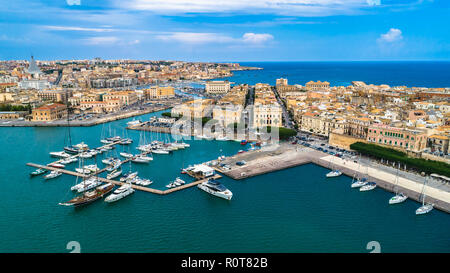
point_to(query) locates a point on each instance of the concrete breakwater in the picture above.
(265, 161)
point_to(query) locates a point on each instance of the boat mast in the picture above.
(68, 119)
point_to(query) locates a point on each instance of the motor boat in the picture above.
(57, 165)
(126, 155)
(160, 151)
(133, 122)
(122, 192)
(334, 173)
(215, 188)
(52, 174)
(368, 187)
(38, 172)
(180, 181)
(61, 154)
(82, 170)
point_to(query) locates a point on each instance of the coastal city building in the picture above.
(49, 112)
(217, 87)
(159, 92)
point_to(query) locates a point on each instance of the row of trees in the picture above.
(14, 108)
(420, 164)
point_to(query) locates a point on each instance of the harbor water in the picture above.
(293, 210)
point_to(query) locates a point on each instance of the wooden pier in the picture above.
(118, 183)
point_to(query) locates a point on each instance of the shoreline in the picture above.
(89, 123)
(266, 161)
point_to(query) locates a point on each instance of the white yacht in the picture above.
(140, 159)
(368, 187)
(128, 176)
(114, 174)
(126, 155)
(122, 192)
(134, 122)
(215, 188)
(52, 174)
(60, 154)
(160, 151)
(180, 181)
(398, 198)
(359, 183)
(334, 173)
(85, 155)
(82, 170)
(82, 184)
(93, 168)
(93, 183)
(425, 208)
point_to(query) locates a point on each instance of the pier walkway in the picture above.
(118, 183)
(287, 156)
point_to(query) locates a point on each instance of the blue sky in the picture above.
(226, 30)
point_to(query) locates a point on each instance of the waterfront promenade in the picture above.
(270, 159)
(84, 123)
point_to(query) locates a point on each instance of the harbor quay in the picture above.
(270, 159)
(85, 123)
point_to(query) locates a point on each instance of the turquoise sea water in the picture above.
(294, 210)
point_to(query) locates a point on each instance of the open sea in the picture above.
(405, 73)
(293, 210)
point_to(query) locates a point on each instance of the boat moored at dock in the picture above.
(89, 196)
(52, 174)
(120, 193)
(215, 188)
(368, 187)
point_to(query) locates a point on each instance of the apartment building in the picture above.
(55, 95)
(217, 87)
(159, 92)
(413, 140)
(316, 86)
(126, 97)
(49, 112)
(195, 108)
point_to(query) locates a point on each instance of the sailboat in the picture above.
(72, 149)
(333, 173)
(359, 181)
(399, 197)
(90, 196)
(425, 208)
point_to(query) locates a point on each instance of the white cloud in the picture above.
(254, 38)
(205, 38)
(105, 40)
(195, 38)
(393, 35)
(70, 28)
(374, 2)
(73, 2)
(284, 7)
